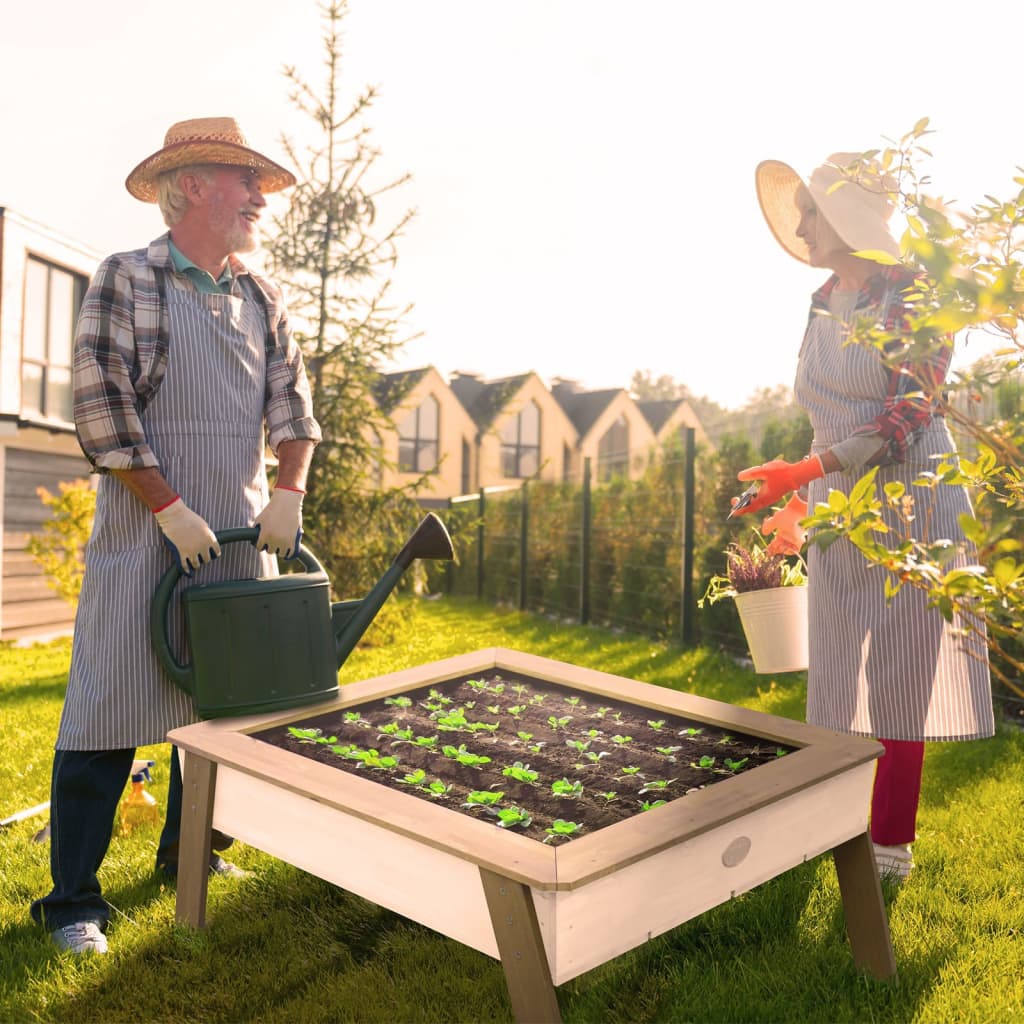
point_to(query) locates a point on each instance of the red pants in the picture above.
(897, 792)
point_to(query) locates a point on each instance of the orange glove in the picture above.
(779, 478)
(785, 524)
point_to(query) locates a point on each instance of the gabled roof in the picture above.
(584, 407)
(657, 411)
(390, 388)
(484, 399)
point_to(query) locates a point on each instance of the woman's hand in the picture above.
(785, 524)
(779, 478)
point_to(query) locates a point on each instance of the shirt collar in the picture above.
(203, 280)
(872, 290)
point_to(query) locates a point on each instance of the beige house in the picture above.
(43, 277)
(432, 434)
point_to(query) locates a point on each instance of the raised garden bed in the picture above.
(548, 910)
(524, 753)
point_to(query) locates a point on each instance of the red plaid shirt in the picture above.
(908, 407)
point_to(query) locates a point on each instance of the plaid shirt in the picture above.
(121, 354)
(908, 407)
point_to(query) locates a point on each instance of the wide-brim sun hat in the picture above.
(205, 140)
(855, 198)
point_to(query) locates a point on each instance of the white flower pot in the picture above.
(775, 624)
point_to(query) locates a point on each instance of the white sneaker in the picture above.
(894, 862)
(80, 937)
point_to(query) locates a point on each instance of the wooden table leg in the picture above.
(199, 778)
(522, 950)
(866, 922)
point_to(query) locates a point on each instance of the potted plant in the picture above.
(771, 597)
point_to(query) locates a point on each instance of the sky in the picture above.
(582, 170)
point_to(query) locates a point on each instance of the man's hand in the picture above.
(779, 478)
(785, 524)
(187, 535)
(280, 523)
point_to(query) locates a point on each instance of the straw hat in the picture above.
(205, 140)
(858, 210)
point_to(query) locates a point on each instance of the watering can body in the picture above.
(275, 643)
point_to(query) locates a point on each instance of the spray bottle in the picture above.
(139, 807)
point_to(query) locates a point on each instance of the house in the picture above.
(522, 431)
(669, 419)
(432, 433)
(43, 277)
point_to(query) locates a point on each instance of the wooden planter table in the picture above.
(549, 913)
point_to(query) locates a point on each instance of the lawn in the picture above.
(283, 946)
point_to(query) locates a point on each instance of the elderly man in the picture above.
(185, 367)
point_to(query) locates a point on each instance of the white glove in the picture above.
(187, 535)
(280, 523)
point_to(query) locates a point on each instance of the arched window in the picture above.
(418, 436)
(520, 443)
(613, 451)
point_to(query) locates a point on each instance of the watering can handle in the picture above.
(182, 674)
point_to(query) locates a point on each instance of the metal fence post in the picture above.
(585, 547)
(686, 609)
(524, 542)
(480, 548)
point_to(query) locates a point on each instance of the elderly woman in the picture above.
(898, 672)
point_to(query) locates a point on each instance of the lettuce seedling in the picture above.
(465, 757)
(520, 772)
(563, 787)
(622, 740)
(667, 751)
(735, 766)
(690, 732)
(399, 702)
(438, 788)
(578, 745)
(509, 817)
(649, 806)
(658, 725)
(414, 778)
(707, 761)
(560, 827)
(658, 785)
(525, 736)
(630, 770)
(482, 798)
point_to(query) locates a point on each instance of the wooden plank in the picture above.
(199, 782)
(523, 958)
(35, 614)
(867, 924)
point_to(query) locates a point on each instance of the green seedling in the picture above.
(340, 749)
(600, 712)
(425, 741)
(658, 725)
(725, 739)
(519, 689)
(494, 709)
(525, 736)
(477, 684)
(439, 697)
(578, 745)
(482, 798)
(622, 740)
(482, 726)
(498, 688)
(595, 755)
(574, 701)
(630, 770)
(538, 698)
(779, 752)
(509, 817)
(656, 786)
(398, 702)
(534, 748)
(414, 778)
(735, 766)
(563, 787)
(560, 827)
(431, 705)
(667, 751)
(470, 704)
(691, 731)
(452, 721)
(520, 772)
(374, 759)
(707, 761)
(438, 788)
(389, 729)
(609, 796)
(306, 735)
(516, 710)
(594, 733)
(464, 756)
(650, 805)
(355, 717)
(559, 723)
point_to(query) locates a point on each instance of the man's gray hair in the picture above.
(171, 196)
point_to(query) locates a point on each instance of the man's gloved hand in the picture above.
(779, 478)
(785, 524)
(187, 535)
(280, 523)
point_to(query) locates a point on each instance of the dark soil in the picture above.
(611, 788)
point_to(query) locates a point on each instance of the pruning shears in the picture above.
(745, 499)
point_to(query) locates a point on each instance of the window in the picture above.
(418, 438)
(53, 298)
(520, 443)
(613, 451)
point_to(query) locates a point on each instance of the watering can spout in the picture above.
(349, 619)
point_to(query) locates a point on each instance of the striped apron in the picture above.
(205, 425)
(896, 671)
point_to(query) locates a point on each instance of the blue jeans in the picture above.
(85, 790)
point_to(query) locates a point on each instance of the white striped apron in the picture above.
(896, 671)
(205, 425)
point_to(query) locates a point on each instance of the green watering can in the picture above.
(269, 644)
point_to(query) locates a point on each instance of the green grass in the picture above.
(283, 946)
